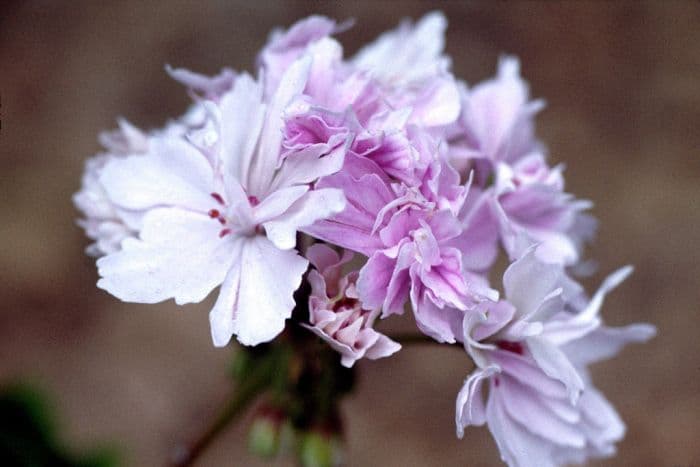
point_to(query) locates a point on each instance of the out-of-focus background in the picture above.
(622, 84)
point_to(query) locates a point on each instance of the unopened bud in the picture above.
(270, 434)
(320, 450)
(263, 438)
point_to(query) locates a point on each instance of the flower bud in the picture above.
(319, 449)
(263, 437)
(270, 434)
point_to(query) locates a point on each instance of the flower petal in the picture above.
(264, 165)
(265, 299)
(311, 207)
(221, 316)
(172, 173)
(179, 255)
(556, 365)
(241, 119)
(533, 412)
(471, 409)
(374, 280)
(528, 281)
(406, 53)
(278, 202)
(518, 447)
(309, 164)
(606, 342)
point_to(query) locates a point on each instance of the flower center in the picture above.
(229, 224)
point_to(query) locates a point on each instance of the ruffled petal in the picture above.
(408, 53)
(374, 279)
(471, 409)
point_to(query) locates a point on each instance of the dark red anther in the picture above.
(496, 381)
(222, 220)
(214, 213)
(253, 200)
(509, 346)
(218, 198)
(224, 232)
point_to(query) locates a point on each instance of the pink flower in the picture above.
(224, 211)
(421, 264)
(336, 314)
(529, 202)
(284, 47)
(409, 62)
(526, 205)
(343, 102)
(496, 121)
(533, 349)
(366, 98)
(411, 233)
(517, 195)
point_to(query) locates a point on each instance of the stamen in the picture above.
(214, 213)
(509, 346)
(219, 199)
(224, 232)
(254, 201)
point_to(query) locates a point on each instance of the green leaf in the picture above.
(28, 436)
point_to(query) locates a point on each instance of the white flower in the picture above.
(222, 208)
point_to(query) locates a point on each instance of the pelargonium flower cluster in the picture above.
(387, 156)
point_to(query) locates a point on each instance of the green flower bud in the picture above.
(319, 450)
(264, 437)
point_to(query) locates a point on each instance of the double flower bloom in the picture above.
(385, 155)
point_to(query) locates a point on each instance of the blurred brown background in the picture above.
(622, 82)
